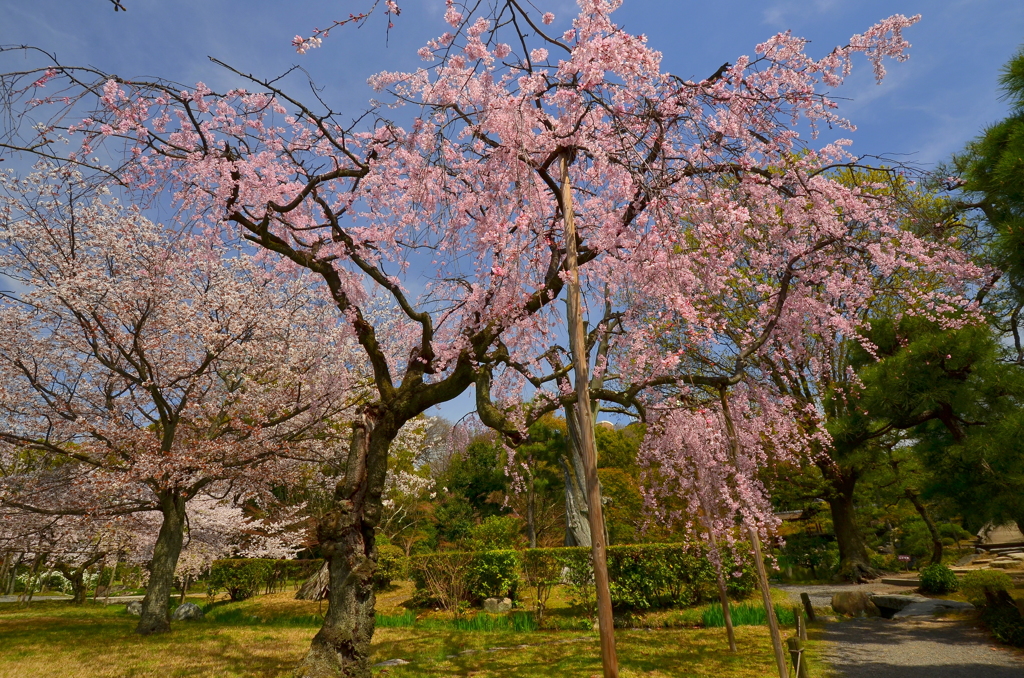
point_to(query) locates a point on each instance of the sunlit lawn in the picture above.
(57, 639)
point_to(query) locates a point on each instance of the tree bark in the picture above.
(346, 534)
(854, 564)
(156, 617)
(110, 582)
(922, 510)
(577, 519)
(13, 578)
(531, 513)
(77, 578)
(30, 589)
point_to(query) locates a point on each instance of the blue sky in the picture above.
(926, 109)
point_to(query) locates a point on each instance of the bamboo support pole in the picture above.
(577, 341)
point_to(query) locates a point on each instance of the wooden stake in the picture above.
(577, 342)
(769, 608)
(808, 608)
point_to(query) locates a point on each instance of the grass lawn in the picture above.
(267, 636)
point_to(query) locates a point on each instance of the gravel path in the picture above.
(882, 648)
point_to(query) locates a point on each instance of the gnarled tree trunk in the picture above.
(854, 563)
(76, 575)
(156, 616)
(577, 518)
(346, 534)
(922, 511)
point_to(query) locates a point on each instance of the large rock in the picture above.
(134, 607)
(854, 604)
(498, 605)
(187, 612)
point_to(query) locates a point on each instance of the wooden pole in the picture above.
(769, 608)
(585, 416)
(796, 653)
(723, 594)
(808, 608)
(755, 542)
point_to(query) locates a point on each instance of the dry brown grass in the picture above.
(58, 640)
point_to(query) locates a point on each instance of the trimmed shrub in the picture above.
(246, 577)
(938, 578)
(642, 576)
(496, 533)
(443, 578)
(974, 585)
(494, 574)
(241, 577)
(391, 564)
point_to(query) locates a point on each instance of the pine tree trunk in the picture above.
(854, 563)
(156, 617)
(922, 510)
(346, 535)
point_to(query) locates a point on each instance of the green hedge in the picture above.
(642, 576)
(243, 578)
(483, 574)
(391, 565)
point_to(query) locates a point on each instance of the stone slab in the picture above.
(931, 607)
(901, 581)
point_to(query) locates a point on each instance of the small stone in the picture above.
(187, 612)
(498, 605)
(391, 662)
(854, 604)
(134, 607)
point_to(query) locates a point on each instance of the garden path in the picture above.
(909, 648)
(932, 648)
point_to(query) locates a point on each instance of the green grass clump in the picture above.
(517, 622)
(974, 584)
(396, 621)
(745, 614)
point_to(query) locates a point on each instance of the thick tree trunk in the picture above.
(577, 519)
(531, 513)
(346, 536)
(156, 616)
(854, 563)
(922, 510)
(76, 575)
